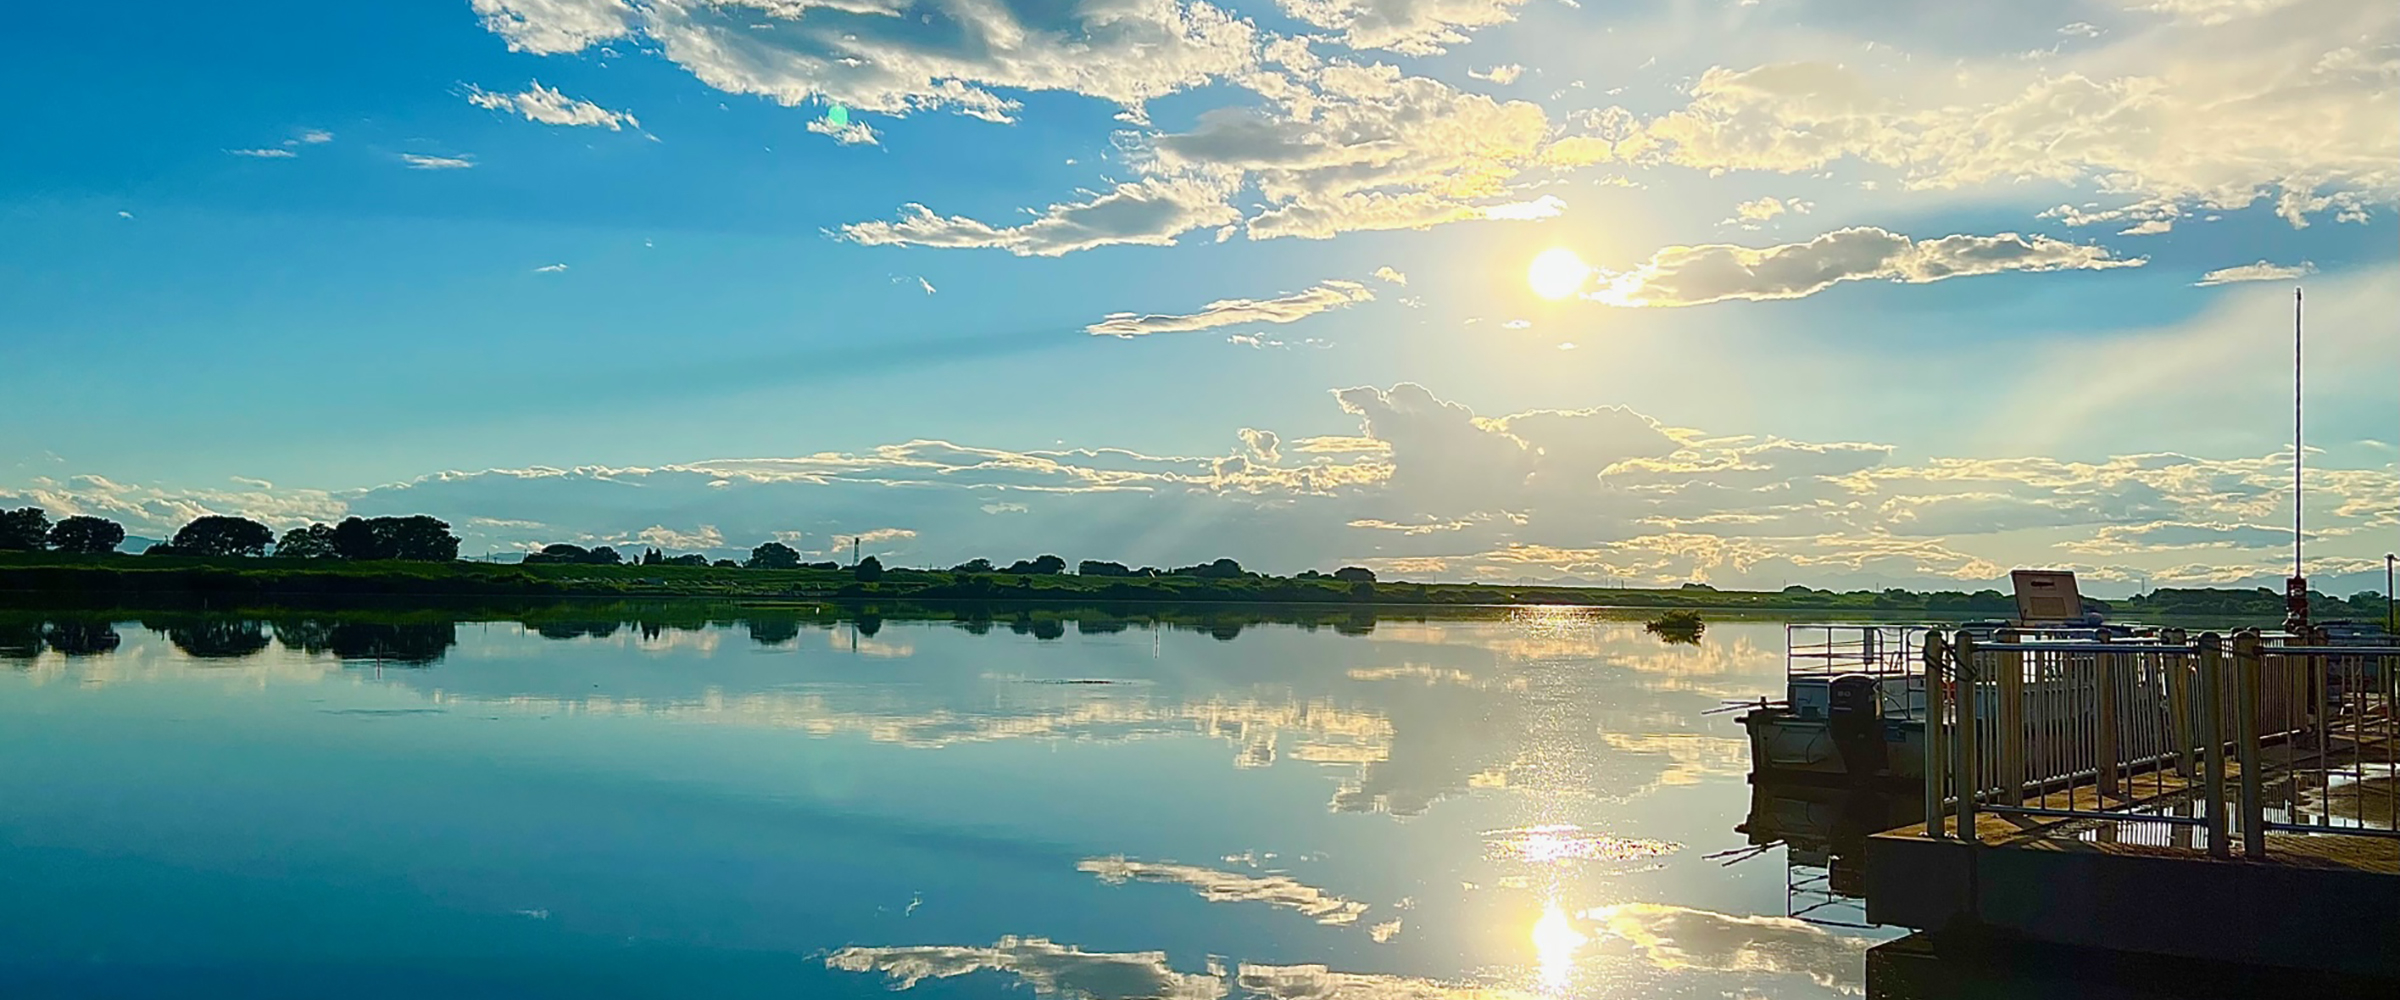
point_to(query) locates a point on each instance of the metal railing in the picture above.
(2226, 738)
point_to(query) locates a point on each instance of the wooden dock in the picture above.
(2133, 884)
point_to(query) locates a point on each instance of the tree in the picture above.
(774, 555)
(87, 535)
(1355, 574)
(312, 542)
(559, 552)
(868, 570)
(973, 566)
(604, 556)
(417, 537)
(25, 529)
(689, 559)
(652, 557)
(220, 535)
(726, 564)
(1094, 567)
(1041, 566)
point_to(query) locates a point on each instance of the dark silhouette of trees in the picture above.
(25, 529)
(774, 555)
(773, 631)
(973, 566)
(1222, 569)
(726, 564)
(88, 637)
(1355, 574)
(1095, 567)
(868, 570)
(220, 535)
(218, 638)
(417, 538)
(689, 559)
(312, 542)
(87, 535)
(562, 552)
(1040, 566)
(652, 557)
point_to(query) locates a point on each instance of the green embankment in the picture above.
(118, 577)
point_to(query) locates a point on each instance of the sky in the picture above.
(1745, 292)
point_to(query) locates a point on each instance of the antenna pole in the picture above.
(2295, 590)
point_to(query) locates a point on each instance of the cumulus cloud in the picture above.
(2146, 119)
(1410, 27)
(420, 161)
(1391, 275)
(1503, 74)
(550, 107)
(2261, 271)
(1326, 295)
(1696, 275)
(896, 59)
(1280, 891)
(1152, 211)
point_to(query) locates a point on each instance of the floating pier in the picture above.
(2204, 798)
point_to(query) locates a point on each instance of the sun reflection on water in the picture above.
(1555, 940)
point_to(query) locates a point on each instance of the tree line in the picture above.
(423, 538)
(417, 537)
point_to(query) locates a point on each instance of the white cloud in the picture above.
(1392, 275)
(855, 133)
(892, 59)
(419, 161)
(313, 136)
(705, 536)
(2261, 271)
(550, 269)
(2147, 120)
(550, 107)
(1503, 74)
(1331, 294)
(270, 153)
(1152, 211)
(1410, 27)
(1695, 275)
(1548, 206)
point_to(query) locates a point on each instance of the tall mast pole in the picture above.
(2295, 590)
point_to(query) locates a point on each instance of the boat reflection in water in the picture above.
(1823, 830)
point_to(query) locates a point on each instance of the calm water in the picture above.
(1526, 806)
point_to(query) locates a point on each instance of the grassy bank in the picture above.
(122, 579)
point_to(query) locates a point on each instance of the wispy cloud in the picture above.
(269, 153)
(420, 161)
(310, 137)
(550, 269)
(1331, 294)
(1391, 274)
(1503, 74)
(2261, 271)
(1717, 272)
(550, 107)
(1280, 891)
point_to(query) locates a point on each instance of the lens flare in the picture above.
(1557, 273)
(1554, 942)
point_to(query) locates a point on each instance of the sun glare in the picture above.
(1554, 942)
(1557, 273)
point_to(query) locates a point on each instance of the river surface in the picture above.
(1533, 805)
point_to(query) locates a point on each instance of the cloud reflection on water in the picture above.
(1070, 973)
(1231, 887)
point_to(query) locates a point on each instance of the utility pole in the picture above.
(854, 551)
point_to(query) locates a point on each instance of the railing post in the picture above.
(2212, 738)
(1965, 755)
(2009, 686)
(1932, 765)
(2247, 656)
(2104, 729)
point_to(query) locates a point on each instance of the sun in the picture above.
(1557, 273)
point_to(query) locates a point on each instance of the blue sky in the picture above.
(1884, 298)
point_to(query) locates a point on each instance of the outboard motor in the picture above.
(1854, 716)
